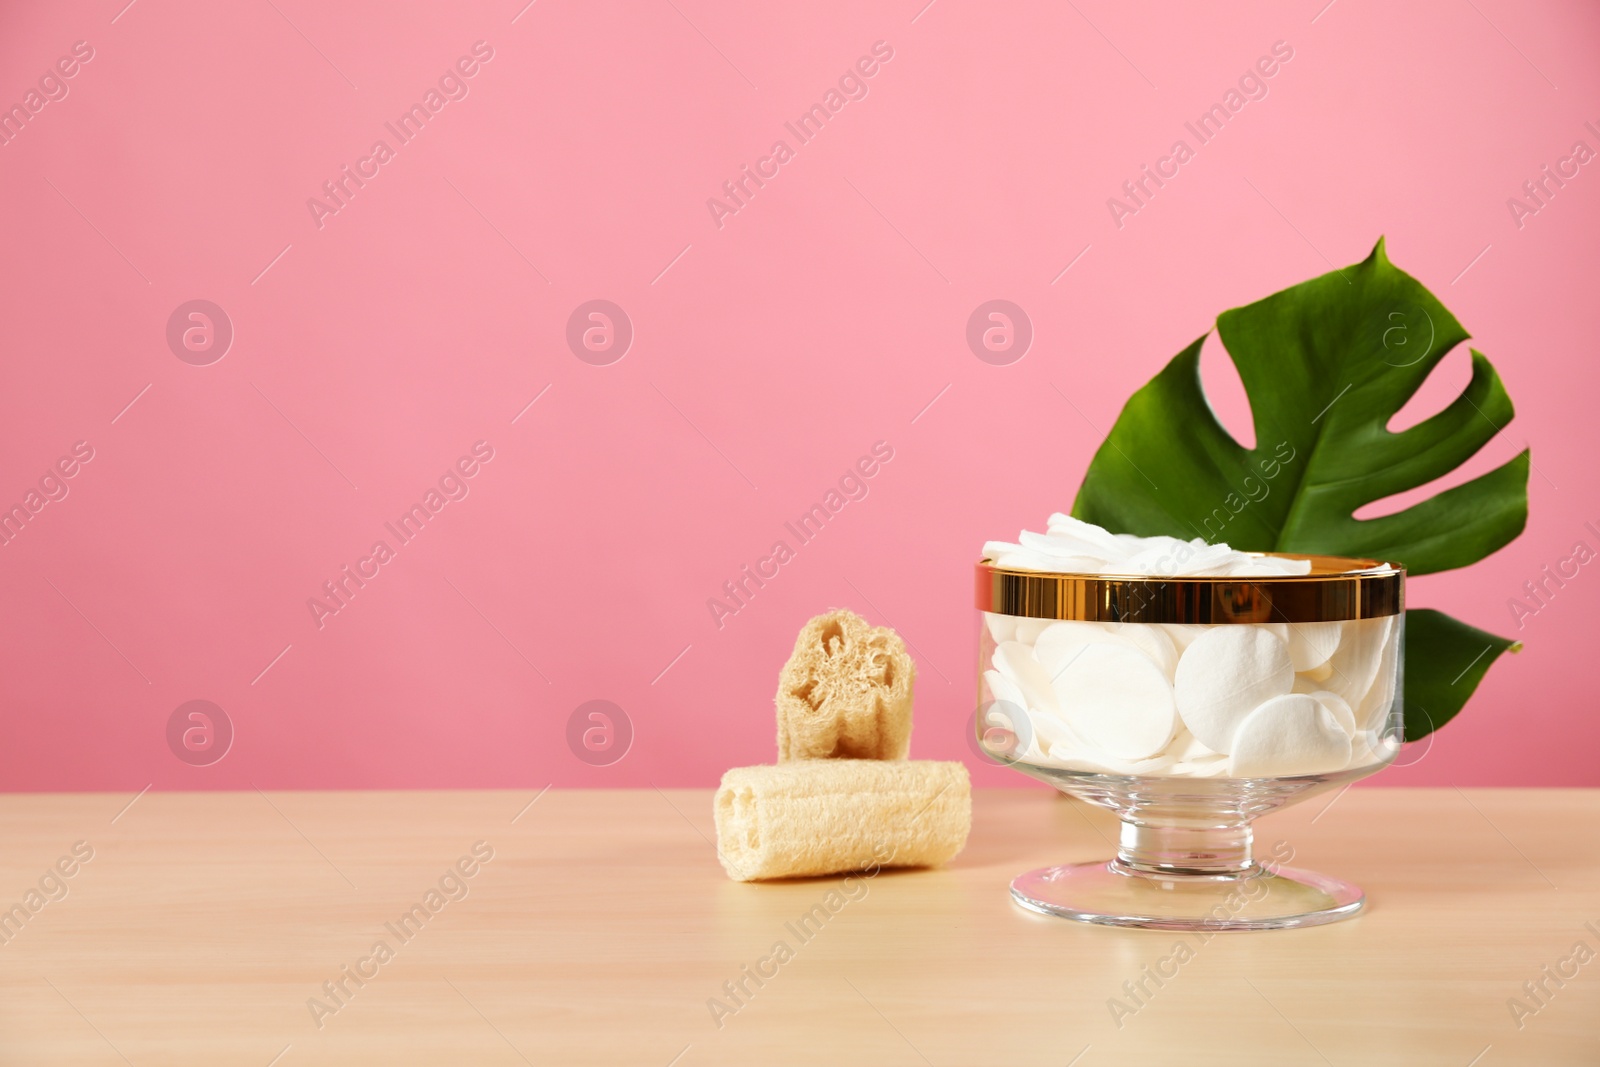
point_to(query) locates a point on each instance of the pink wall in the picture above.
(374, 346)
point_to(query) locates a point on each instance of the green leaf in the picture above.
(1445, 661)
(1326, 364)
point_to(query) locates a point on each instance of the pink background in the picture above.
(769, 353)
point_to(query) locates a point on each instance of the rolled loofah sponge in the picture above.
(827, 817)
(845, 692)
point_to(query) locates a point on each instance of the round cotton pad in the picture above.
(1001, 627)
(1015, 661)
(1214, 767)
(1181, 633)
(1289, 735)
(1006, 709)
(1042, 728)
(1028, 630)
(1102, 764)
(1338, 708)
(1060, 644)
(1311, 643)
(1355, 663)
(1187, 748)
(1224, 675)
(1318, 674)
(1004, 691)
(1374, 708)
(1152, 640)
(1117, 700)
(1052, 734)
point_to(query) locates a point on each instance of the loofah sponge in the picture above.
(826, 817)
(845, 692)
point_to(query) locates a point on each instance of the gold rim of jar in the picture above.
(1336, 590)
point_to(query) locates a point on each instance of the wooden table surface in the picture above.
(201, 926)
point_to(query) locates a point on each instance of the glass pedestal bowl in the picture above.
(1189, 707)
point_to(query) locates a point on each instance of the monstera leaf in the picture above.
(1326, 365)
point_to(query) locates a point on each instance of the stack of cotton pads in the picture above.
(1073, 546)
(1237, 700)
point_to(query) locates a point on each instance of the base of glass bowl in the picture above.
(1258, 898)
(1186, 857)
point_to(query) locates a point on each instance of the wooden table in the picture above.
(602, 926)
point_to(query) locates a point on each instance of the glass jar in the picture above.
(1189, 706)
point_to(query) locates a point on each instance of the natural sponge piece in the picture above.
(829, 816)
(845, 692)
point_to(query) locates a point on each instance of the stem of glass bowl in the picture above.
(1170, 849)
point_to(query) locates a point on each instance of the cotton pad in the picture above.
(1318, 674)
(1181, 633)
(1152, 640)
(1062, 641)
(1186, 748)
(1102, 764)
(1004, 691)
(1289, 735)
(1077, 555)
(1028, 630)
(1355, 663)
(1022, 558)
(1311, 643)
(1007, 709)
(1001, 627)
(1116, 699)
(1085, 537)
(1015, 660)
(1051, 732)
(1037, 729)
(1074, 629)
(1211, 767)
(1338, 708)
(1058, 645)
(1224, 675)
(1374, 707)
(1072, 546)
